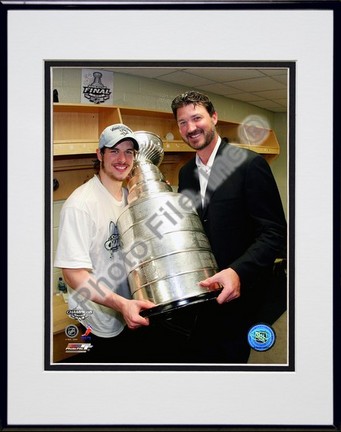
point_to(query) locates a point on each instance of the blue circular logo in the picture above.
(261, 337)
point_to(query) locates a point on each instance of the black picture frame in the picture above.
(6, 423)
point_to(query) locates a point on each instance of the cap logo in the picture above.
(122, 130)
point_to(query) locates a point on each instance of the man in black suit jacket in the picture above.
(238, 202)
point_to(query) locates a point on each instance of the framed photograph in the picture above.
(73, 147)
(295, 42)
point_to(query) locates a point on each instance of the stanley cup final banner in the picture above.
(97, 86)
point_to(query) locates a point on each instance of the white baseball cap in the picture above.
(114, 134)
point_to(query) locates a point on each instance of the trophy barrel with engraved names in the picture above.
(165, 248)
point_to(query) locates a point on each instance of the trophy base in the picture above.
(172, 307)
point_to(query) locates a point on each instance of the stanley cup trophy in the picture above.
(165, 248)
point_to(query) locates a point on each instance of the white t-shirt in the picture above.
(88, 238)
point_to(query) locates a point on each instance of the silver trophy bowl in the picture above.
(162, 238)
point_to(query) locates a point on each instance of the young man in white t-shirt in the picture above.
(90, 258)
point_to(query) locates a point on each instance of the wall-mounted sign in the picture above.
(97, 86)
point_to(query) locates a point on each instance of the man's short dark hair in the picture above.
(194, 98)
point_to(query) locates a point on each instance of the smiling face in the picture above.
(117, 162)
(196, 126)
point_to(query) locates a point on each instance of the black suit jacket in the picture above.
(244, 221)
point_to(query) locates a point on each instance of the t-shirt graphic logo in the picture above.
(112, 244)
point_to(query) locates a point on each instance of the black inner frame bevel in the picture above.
(291, 68)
